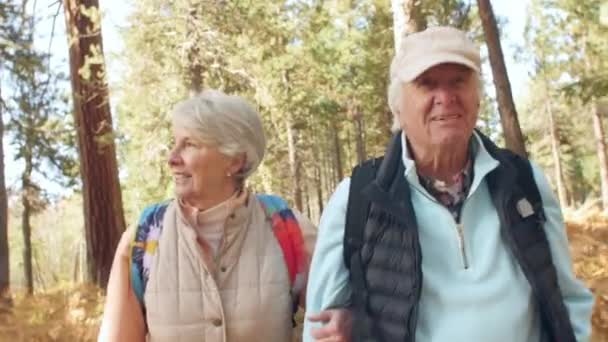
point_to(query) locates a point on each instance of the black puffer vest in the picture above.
(384, 258)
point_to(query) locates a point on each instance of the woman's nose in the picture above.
(174, 158)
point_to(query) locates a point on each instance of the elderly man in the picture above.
(447, 237)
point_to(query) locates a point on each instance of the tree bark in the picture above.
(294, 163)
(5, 296)
(337, 149)
(195, 67)
(555, 148)
(600, 141)
(319, 187)
(357, 117)
(27, 239)
(307, 200)
(406, 19)
(103, 212)
(292, 141)
(508, 114)
(327, 169)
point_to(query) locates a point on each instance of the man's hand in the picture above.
(337, 325)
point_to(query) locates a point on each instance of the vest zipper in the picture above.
(459, 227)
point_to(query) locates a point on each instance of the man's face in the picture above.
(439, 108)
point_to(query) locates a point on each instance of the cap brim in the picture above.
(409, 73)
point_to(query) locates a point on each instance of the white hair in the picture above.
(395, 92)
(227, 122)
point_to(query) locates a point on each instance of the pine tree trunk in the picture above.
(555, 148)
(27, 196)
(406, 19)
(337, 149)
(76, 267)
(195, 68)
(319, 188)
(508, 114)
(361, 155)
(292, 141)
(103, 211)
(37, 272)
(294, 163)
(27, 241)
(348, 148)
(5, 296)
(327, 165)
(600, 140)
(307, 200)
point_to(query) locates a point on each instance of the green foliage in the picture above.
(309, 65)
(11, 38)
(41, 130)
(569, 73)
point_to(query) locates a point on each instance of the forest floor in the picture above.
(73, 313)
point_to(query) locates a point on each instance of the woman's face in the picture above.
(200, 171)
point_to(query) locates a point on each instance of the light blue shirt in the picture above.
(491, 299)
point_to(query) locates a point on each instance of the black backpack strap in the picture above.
(530, 246)
(525, 176)
(526, 181)
(358, 207)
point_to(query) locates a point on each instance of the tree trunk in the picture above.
(319, 188)
(357, 117)
(348, 148)
(5, 296)
(327, 164)
(406, 19)
(27, 240)
(195, 67)
(307, 200)
(76, 267)
(38, 273)
(292, 140)
(600, 141)
(555, 148)
(294, 163)
(337, 149)
(508, 114)
(103, 212)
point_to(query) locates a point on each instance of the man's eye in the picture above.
(425, 83)
(460, 80)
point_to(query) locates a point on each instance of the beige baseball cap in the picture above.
(436, 45)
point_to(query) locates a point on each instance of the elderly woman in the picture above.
(217, 263)
(447, 237)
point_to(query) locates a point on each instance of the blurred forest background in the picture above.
(86, 155)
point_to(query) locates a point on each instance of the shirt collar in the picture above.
(483, 162)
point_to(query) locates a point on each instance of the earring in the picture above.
(228, 174)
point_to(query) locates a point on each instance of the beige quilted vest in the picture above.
(244, 295)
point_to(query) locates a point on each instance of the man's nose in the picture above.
(444, 96)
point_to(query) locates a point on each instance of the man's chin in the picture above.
(451, 141)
